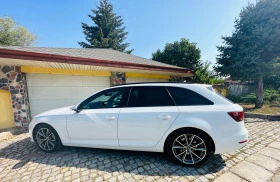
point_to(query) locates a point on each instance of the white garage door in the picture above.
(136, 80)
(48, 91)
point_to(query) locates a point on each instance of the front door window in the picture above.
(106, 99)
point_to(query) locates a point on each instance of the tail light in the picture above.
(237, 116)
(243, 141)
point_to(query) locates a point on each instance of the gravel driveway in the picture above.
(20, 160)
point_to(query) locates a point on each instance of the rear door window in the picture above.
(149, 96)
(186, 97)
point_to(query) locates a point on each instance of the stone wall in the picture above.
(234, 89)
(117, 78)
(14, 81)
(241, 89)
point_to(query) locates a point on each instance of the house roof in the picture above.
(89, 56)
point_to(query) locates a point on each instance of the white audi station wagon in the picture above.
(187, 122)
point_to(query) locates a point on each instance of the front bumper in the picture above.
(31, 127)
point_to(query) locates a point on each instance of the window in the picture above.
(149, 97)
(105, 99)
(220, 95)
(185, 97)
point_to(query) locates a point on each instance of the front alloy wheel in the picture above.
(47, 138)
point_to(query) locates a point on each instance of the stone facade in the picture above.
(117, 78)
(14, 81)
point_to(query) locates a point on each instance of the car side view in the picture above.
(188, 122)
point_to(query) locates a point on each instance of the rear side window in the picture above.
(220, 95)
(185, 97)
(149, 97)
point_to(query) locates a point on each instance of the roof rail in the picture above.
(150, 82)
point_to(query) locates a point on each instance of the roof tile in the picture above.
(92, 53)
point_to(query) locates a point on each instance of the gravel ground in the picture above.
(20, 160)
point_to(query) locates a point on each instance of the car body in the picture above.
(143, 119)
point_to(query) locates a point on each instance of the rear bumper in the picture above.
(231, 142)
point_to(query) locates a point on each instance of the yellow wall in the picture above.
(28, 69)
(140, 75)
(6, 111)
(222, 91)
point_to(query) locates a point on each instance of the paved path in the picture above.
(20, 160)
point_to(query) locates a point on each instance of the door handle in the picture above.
(164, 117)
(110, 117)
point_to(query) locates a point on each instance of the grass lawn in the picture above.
(266, 109)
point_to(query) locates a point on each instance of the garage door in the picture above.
(49, 91)
(136, 80)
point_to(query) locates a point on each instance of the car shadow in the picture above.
(141, 163)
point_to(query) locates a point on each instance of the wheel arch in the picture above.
(213, 148)
(39, 124)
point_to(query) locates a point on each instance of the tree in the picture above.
(13, 35)
(185, 54)
(108, 31)
(272, 82)
(180, 53)
(206, 76)
(251, 52)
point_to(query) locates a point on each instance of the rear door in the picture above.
(149, 113)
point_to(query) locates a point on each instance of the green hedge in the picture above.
(270, 97)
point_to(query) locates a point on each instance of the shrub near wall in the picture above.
(270, 97)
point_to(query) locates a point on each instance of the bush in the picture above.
(270, 97)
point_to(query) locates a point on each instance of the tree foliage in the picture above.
(179, 53)
(185, 54)
(12, 34)
(108, 31)
(252, 51)
(272, 82)
(207, 76)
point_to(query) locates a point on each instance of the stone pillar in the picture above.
(117, 78)
(13, 80)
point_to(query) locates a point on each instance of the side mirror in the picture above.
(75, 108)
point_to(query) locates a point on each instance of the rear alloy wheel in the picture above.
(189, 148)
(47, 138)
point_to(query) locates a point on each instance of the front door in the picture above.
(148, 115)
(95, 124)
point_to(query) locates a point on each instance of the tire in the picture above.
(47, 138)
(191, 152)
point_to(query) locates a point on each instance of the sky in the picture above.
(150, 23)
